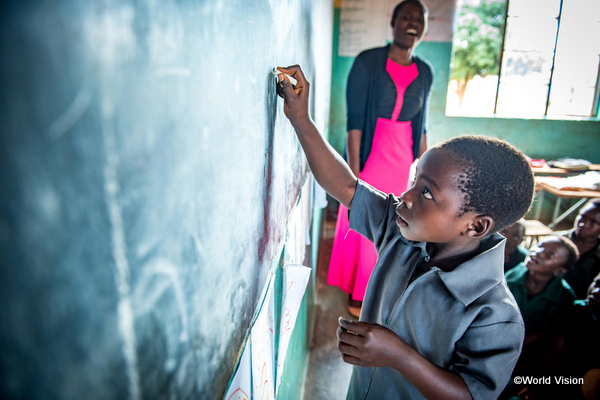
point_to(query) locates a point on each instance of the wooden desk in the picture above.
(562, 171)
(533, 231)
(583, 195)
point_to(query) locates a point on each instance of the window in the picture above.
(525, 58)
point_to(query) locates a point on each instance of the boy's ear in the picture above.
(480, 227)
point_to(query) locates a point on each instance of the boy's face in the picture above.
(548, 257)
(587, 223)
(514, 236)
(430, 208)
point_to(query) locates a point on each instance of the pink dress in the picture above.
(387, 168)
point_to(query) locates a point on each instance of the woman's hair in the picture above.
(573, 252)
(404, 2)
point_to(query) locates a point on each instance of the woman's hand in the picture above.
(368, 345)
(296, 98)
(353, 139)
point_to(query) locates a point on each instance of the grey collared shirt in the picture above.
(465, 320)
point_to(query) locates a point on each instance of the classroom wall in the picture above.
(538, 138)
(147, 174)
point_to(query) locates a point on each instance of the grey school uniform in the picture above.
(465, 320)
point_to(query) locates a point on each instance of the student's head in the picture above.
(469, 186)
(552, 256)
(409, 23)
(514, 236)
(587, 223)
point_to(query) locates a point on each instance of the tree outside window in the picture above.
(525, 58)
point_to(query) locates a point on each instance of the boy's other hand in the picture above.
(296, 98)
(368, 345)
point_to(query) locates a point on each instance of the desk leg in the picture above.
(556, 209)
(538, 210)
(568, 212)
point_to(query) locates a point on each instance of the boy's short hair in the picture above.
(573, 256)
(497, 180)
(404, 2)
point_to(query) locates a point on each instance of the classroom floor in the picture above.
(328, 376)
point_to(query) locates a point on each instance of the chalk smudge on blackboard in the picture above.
(122, 275)
(157, 278)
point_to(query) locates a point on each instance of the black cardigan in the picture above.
(367, 78)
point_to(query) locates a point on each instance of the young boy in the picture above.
(438, 320)
(514, 253)
(586, 236)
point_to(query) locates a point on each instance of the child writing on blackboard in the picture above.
(438, 320)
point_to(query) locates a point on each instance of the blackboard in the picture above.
(146, 174)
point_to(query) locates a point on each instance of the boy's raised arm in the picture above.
(328, 167)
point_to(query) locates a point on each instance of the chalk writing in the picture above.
(286, 322)
(239, 395)
(263, 350)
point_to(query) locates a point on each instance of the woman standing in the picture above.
(387, 99)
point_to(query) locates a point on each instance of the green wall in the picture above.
(538, 138)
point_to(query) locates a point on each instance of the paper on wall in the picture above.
(363, 24)
(319, 195)
(441, 20)
(295, 279)
(295, 245)
(263, 350)
(305, 202)
(240, 387)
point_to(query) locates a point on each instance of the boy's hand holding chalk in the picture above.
(292, 80)
(295, 95)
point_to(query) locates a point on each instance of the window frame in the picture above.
(595, 106)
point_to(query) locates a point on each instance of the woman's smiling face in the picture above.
(409, 26)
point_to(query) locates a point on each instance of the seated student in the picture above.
(438, 320)
(544, 299)
(579, 353)
(514, 253)
(585, 234)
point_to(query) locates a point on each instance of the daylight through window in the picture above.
(525, 58)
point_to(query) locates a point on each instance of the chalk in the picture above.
(293, 80)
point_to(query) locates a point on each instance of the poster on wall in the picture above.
(295, 279)
(263, 349)
(441, 20)
(367, 23)
(363, 24)
(240, 387)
